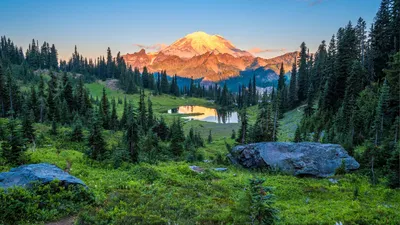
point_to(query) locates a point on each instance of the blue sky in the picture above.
(95, 25)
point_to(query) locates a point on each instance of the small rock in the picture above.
(196, 169)
(221, 169)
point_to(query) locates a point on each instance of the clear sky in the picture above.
(123, 24)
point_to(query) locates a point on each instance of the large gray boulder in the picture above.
(300, 159)
(43, 173)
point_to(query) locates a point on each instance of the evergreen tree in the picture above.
(161, 129)
(209, 139)
(114, 117)
(142, 120)
(13, 148)
(3, 92)
(381, 39)
(293, 87)
(150, 116)
(132, 138)
(297, 135)
(67, 92)
(164, 82)
(51, 97)
(77, 133)
(97, 150)
(104, 110)
(303, 74)
(177, 138)
(233, 135)
(380, 113)
(243, 130)
(54, 128)
(28, 130)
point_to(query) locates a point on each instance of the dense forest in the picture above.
(349, 91)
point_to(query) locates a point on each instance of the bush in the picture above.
(42, 202)
(341, 170)
(147, 173)
(262, 210)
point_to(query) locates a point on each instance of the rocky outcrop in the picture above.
(43, 173)
(300, 159)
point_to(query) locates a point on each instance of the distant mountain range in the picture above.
(211, 58)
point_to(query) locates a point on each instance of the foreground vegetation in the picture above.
(171, 192)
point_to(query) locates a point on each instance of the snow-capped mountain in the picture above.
(199, 42)
(211, 57)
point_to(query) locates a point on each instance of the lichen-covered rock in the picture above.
(44, 173)
(300, 159)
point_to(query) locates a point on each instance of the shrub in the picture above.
(341, 170)
(147, 173)
(262, 210)
(42, 202)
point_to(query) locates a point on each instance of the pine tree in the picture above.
(114, 117)
(104, 110)
(51, 95)
(328, 98)
(380, 113)
(177, 138)
(53, 58)
(243, 130)
(77, 133)
(346, 54)
(27, 124)
(297, 135)
(381, 39)
(233, 135)
(303, 74)
(132, 138)
(164, 82)
(67, 92)
(142, 120)
(150, 116)
(110, 65)
(3, 92)
(293, 87)
(54, 127)
(96, 141)
(161, 129)
(13, 148)
(209, 139)
(34, 104)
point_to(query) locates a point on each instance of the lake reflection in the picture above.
(206, 114)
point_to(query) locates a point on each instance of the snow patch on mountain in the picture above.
(199, 42)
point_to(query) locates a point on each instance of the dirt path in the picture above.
(65, 221)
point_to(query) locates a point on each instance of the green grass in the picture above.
(289, 123)
(171, 192)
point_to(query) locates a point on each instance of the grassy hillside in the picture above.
(169, 192)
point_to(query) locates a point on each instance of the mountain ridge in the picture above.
(210, 57)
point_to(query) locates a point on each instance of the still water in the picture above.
(206, 114)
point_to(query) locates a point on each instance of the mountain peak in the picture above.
(201, 34)
(199, 42)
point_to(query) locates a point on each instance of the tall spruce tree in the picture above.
(302, 74)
